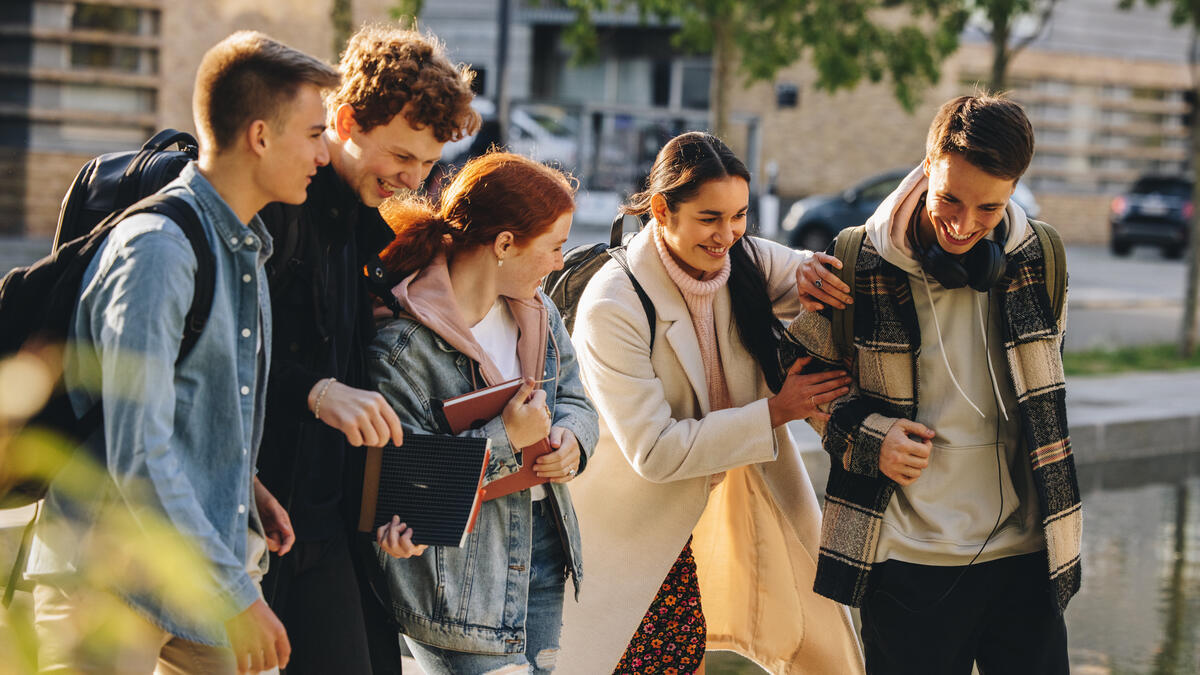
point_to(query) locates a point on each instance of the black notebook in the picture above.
(431, 481)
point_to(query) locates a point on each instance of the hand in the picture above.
(363, 416)
(526, 417)
(800, 395)
(258, 639)
(831, 291)
(903, 457)
(395, 537)
(277, 526)
(561, 465)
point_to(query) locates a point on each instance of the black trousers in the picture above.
(333, 621)
(998, 615)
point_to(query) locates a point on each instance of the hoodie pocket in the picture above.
(957, 499)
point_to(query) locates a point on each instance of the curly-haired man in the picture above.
(400, 101)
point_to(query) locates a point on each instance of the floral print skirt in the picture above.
(670, 639)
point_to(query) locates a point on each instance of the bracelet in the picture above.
(321, 396)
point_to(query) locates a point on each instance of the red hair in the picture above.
(497, 192)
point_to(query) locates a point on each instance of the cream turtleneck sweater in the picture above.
(698, 295)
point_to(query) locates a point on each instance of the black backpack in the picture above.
(580, 264)
(37, 303)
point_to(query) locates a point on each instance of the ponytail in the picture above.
(420, 235)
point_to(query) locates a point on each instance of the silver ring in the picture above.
(571, 473)
(817, 284)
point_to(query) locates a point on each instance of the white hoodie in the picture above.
(946, 515)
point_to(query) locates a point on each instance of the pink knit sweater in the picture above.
(698, 294)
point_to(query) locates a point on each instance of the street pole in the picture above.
(1187, 336)
(502, 73)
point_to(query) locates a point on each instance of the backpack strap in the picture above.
(1056, 264)
(846, 247)
(618, 253)
(129, 187)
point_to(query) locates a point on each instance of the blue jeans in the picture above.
(543, 619)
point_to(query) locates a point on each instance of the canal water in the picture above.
(1138, 612)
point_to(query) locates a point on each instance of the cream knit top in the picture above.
(698, 295)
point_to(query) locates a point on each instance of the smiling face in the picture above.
(294, 148)
(389, 158)
(526, 265)
(964, 203)
(699, 232)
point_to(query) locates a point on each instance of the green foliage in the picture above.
(1183, 12)
(1124, 359)
(341, 16)
(848, 40)
(407, 11)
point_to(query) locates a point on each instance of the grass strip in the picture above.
(1127, 359)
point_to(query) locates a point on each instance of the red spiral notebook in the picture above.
(473, 410)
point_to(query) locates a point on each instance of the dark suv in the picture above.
(1157, 210)
(812, 222)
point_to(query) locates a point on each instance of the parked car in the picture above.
(1157, 210)
(812, 223)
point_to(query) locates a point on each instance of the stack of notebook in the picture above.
(432, 482)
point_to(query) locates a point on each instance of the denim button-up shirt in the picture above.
(179, 441)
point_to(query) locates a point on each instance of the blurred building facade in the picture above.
(1104, 88)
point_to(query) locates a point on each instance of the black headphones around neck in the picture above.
(980, 268)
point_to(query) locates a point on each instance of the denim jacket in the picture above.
(474, 598)
(179, 441)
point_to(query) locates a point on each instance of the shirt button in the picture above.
(233, 240)
(245, 390)
(245, 451)
(246, 278)
(245, 332)
(241, 508)
(249, 240)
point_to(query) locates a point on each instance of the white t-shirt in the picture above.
(497, 333)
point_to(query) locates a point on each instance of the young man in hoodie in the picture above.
(400, 101)
(952, 510)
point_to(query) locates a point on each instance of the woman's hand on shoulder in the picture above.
(819, 286)
(395, 537)
(801, 396)
(526, 417)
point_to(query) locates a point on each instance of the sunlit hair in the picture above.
(990, 132)
(387, 71)
(247, 77)
(497, 192)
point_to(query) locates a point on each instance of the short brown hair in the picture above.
(246, 77)
(991, 132)
(387, 70)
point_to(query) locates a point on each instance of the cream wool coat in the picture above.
(647, 484)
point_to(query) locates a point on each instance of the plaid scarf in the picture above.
(884, 364)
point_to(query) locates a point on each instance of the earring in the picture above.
(499, 262)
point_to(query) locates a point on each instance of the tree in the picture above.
(998, 20)
(848, 40)
(1187, 13)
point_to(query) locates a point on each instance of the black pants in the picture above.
(333, 621)
(999, 615)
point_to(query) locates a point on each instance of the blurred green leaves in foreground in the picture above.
(131, 550)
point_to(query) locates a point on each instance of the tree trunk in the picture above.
(720, 88)
(1000, 53)
(1187, 334)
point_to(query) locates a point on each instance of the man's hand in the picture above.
(905, 452)
(816, 284)
(363, 416)
(561, 465)
(277, 526)
(258, 639)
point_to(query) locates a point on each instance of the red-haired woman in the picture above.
(473, 316)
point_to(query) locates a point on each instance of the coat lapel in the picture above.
(673, 314)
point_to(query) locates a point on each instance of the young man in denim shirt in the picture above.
(179, 440)
(400, 101)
